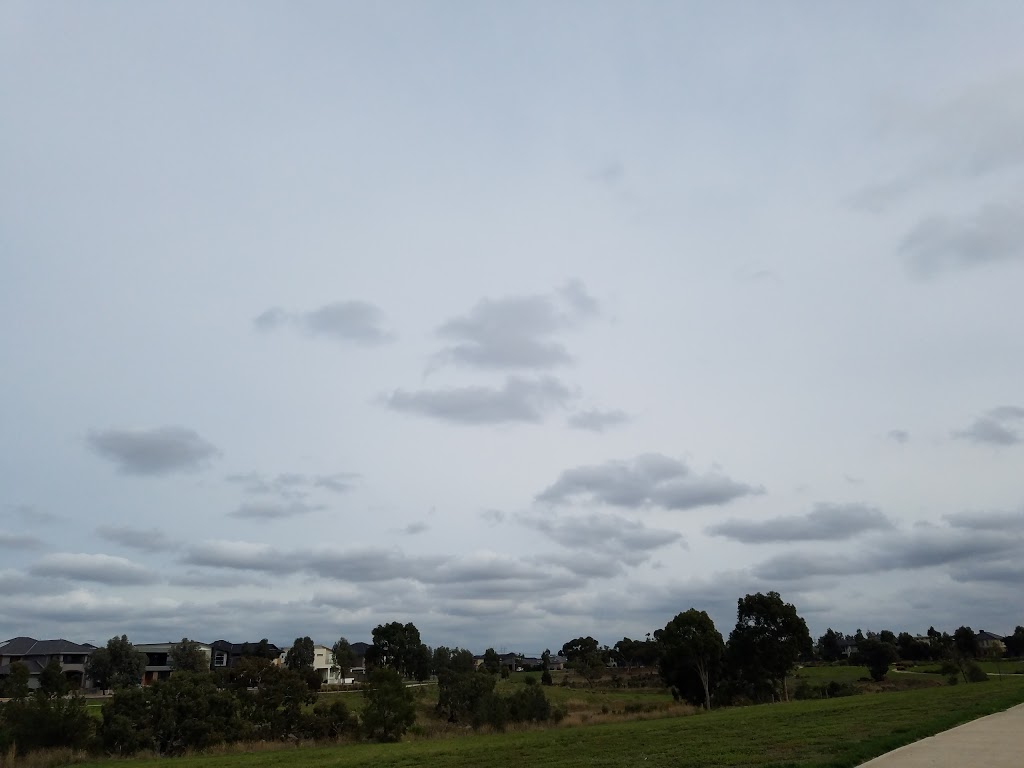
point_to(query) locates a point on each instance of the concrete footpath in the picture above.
(994, 741)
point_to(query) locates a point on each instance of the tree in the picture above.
(399, 647)
(52, 682)
(768, 639)
(579, 648)
(912, 649)
(118, 665)
(16, 685)
(459, 693)
(1015, 642)
(877, 655)
(828, 646)
(344, 657)
(966, 643)
(187, 656)
(389, 708)
(301, 655)
(545, 659)
(492, 663)
(690, 645)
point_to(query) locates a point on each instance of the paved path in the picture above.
(995, 741)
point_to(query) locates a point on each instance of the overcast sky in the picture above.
(518, 321)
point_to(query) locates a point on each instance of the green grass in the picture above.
(826, 674)
(990, 667)
(835, 733)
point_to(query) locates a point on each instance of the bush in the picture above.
(545, 678)
(329, 721)
(975, 674)
(390, 708)
(40, 722)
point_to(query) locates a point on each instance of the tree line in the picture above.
(262, 700)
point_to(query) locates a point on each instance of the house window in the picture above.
(220, 659)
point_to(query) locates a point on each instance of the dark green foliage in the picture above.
(966, 643)
(768, 639)
(189, 711)
(15, 685)
(911, 649)
(52, 681)
(975, 674)
(118, 665)
(187, 656)
(877, 657)
(390, 708)
(828, 646)
(330, 721)
(399, 647)
(1015, 642)
(45, 722)
(579, 648)
(690, 659)
(528, 704)
(459, 693)
(545, 677)
(492, 663)
(505, 673)
(344, 657)
(301, 655)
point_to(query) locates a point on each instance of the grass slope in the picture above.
(836, 733)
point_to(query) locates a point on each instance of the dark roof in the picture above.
(983, 635)
(34, 667)
(27, 646)
(359, 649)
(239, 649)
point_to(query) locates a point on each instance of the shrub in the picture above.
(545, 678)
(390, 708)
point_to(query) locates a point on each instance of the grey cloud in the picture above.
(291, 484)
(900, 436)
(923, 547)
(412, 529)
(1009, 572)
(827, 522)
(648, 480)
(582, 303)
(241, 555)
(19, 541)
(590, 565)
(997, 427)
(987, 521)
(147, 540)
(493, 516)
(519, 400)
(597, 421)
(274, 510)
(358, 322)
(516, 332)
(368, 565)
(617, 537)
(994, 234)
(977, 132)
(103, 569)
(20, 583)
(32, 514)
(159, 451)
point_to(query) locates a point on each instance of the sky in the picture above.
(518, 321)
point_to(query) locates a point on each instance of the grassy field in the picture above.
(834, 733)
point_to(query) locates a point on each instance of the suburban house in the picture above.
(36, 654)
(989, 642)
(157, 661)
(225, 655)
(847, 646)
(323, 664)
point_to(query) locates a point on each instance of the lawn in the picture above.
(833, 733)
